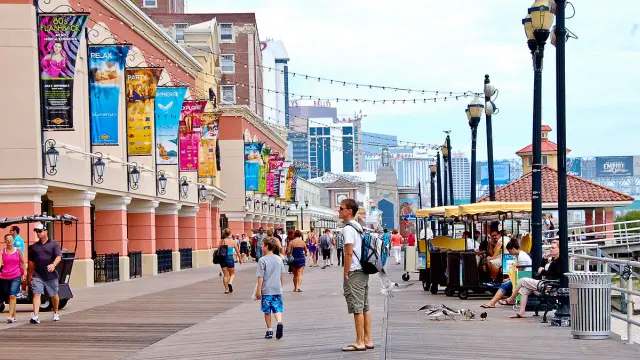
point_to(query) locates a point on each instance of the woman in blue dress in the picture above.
(297, 251)
(228, 247)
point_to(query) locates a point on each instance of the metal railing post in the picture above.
(629, 309)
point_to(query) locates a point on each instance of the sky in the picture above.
(449, 46)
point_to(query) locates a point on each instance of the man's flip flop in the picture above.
(487, 306)
(516, 316)
(353, 347)
(504, 302)
(369, 347)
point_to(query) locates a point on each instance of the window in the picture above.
(544, 160)
(180, 30)
(228, 94)
(226, 32)
(150, 3)
(227, 63)
(530, 158)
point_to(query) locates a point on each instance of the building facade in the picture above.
(373, 143)
(275, 75)
(331, 147)
(461, 170)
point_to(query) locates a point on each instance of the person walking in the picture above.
(297, 252)
(228, 247)
(313, 248)
(14, 272)
(339, 240)
(18, 243)
(270, 272)
(244, 248)
(44, 256)
(259, 237)
(396, 246)
(325, 244)
(356, 282)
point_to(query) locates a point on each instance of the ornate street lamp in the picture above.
(203, 192)
(438, 177)
(162, 183)
(184, 187)
(489, 91)
(51, 155)
(536, 25)
(98, 169)
(474, 111)
(134, 176)
(445, 180)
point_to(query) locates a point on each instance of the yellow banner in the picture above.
(141, 94)
(207, 162)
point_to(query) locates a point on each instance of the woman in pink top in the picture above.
(14, 272)
(54, 63)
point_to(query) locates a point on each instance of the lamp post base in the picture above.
(562, 316)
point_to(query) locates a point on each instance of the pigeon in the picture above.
(388, 286)
(483, 316)
(468, 314)
(438, 312)
(427, 307)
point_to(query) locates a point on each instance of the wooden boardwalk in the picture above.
(185, 315)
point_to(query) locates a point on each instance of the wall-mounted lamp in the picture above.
(203, 192)
(184, 187)
(134, 176)
(264, 206)
(51, 155)
(162, 183)
(98, 169)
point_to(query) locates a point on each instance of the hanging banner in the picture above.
(141, 86)
(264, 168)
(283, 184)
(58, 43)
(270, 172)
(252, 161)
(106, 65)
(168, 107)
(207, 158)
(275, 174)
(190, 133)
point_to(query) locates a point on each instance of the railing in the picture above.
(106, 268)
(135, 264)
(618, 233)
(186, 259)
(165, 260)
(625, 269)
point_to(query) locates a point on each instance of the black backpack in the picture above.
(220, 253)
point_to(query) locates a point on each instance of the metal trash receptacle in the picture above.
(590, 299)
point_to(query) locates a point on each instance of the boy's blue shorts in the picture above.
(272, 304)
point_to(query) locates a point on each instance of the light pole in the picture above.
(489, 90)
(449, 161)
(563, 314)
(306, 205)
(433, 169)
(445, 180)
(474, 111)
(438, 172)
(536, 25)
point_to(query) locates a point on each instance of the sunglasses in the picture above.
(37, 231)
(341, 208)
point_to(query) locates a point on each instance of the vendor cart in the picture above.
(64, 267)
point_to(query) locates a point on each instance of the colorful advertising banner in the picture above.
(141, 86)
(168, 108)
(271, 172)
(283, 183)
(501, 174)
(58, 42)
(276, 171)
(574, 166)
(252, 161)
(614, 166)
(106, 65)
(207, 162)
(408, 206)
(264, 169)
(190, 134)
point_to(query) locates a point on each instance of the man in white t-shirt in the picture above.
(524, 263)
(356, 282)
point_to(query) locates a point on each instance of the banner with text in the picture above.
(58, 43)
(501, 174)
(106, 65)
(190, 134)
(141, 86)
(168, 109)
(264, 168)
(207, 161)
(252, 161)
(614, 166)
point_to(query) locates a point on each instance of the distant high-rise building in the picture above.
(331, 147)
(372, 143)
(276, 103)
(461, 169)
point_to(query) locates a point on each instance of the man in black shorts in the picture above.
(325, 245)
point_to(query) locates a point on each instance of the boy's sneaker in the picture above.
(34, 319)
(279, 331)
(56, 317)
(11, 320)
(269, 334)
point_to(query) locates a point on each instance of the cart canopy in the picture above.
(439, 212)
(495, 208)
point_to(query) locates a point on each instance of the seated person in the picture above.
(524, 263)
(494, 260)
(470, 244)
(549, 270)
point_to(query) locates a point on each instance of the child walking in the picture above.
(270, 272)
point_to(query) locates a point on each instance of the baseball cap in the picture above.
(39, 226)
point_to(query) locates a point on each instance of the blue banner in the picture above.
(252, 162)
(614, 166)
(168, 108)
(106, 64)
(501, 174)
(574, 166)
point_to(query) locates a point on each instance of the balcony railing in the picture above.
(106, 268)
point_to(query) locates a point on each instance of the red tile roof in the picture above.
(547, 146)
(579, 190)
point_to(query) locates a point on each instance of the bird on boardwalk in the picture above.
(483, 316)
(468, 314)
(438, 312)
(388, 286)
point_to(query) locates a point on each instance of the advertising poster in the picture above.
(168, 108)
(106, 67)
(614, 166)
(190, 133)
(271, 172)
(141, 86)
(264, 169)
(252, 161)
(279, 162)
(574, 166)
(501, 174)
(58, 43)
(290, 186)
(408, 206)
(207, 161)
(282, 195)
